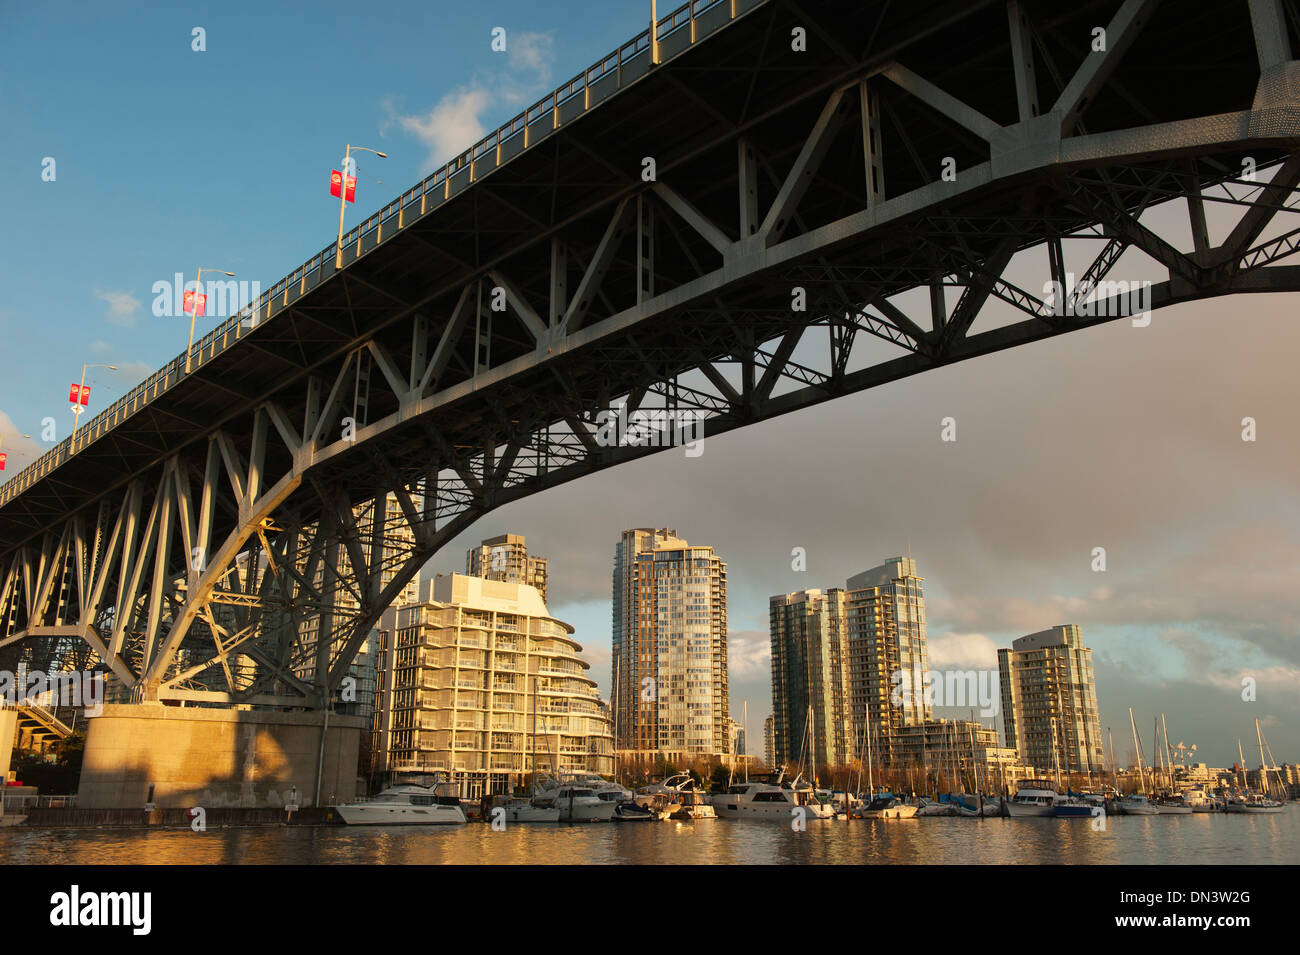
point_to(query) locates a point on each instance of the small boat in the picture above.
(1075, 807)
(1136, 804)
(576, 803)
(405, 805)
(977, 806)
(928, 807)
(519, 809)
(626, 809)
(1253, 802)
(681, 791)
(887, 807)
(1172, 806)
(1035, 797)
(634, 812)
(1200, 801)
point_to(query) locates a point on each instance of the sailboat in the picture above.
(1168, 804)
(1258, 802)
(1136, 804)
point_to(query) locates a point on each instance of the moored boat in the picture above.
(519, 809)
(887, 807)
(771, 801)
(1035, 797)
(406, 804)
(1135, 804)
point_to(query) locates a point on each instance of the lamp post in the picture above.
(343, 198)
(2, 438)
(76, 409)
(194, 310)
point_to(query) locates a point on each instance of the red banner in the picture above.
(3, 458)
(79, 394)
(188, 305)
(347, 184)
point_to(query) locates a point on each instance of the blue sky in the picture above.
(169, 159)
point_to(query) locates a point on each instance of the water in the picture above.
(1201, 838)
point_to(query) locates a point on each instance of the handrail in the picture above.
(253, 314)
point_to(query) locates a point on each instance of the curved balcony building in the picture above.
(481, 683)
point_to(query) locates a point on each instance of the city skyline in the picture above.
(952, 656)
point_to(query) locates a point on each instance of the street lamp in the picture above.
(194, 310)
(2, 437)
(343, 197)
(76, 409)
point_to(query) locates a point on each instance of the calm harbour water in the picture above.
(1202, 838)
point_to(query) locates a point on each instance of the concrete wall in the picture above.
(214, 758)
(8, 730)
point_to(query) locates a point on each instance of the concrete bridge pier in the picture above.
(216, 758)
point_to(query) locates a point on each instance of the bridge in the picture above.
(753, 207)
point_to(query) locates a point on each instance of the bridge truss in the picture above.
(736, 234)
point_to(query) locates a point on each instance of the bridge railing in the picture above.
(427, 194)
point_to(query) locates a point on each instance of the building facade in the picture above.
(848, 663)
(481, 683)
(884, 610)
(506, 558)
(809, 678)
(669, 642)
(1049, 701)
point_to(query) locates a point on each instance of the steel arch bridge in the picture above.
(709, 221)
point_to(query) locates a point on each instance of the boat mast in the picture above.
(1155, 746)
(532, 756)
(1056, 756)
(1142, 782)
(812, 750)
(1263, 767)
(744, 719)
(1169, 755)
(871, 782)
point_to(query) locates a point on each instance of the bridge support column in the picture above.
(8, 729)
(215, 758)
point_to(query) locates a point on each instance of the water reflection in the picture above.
(1197, 839)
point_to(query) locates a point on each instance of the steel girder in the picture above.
(742, 281)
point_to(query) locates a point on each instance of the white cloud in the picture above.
(451, 126)
(19, 451)
(458, 120)
(749, 654)
(962, 651)
(122, 307)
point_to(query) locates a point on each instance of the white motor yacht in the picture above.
(576, 803)
(1035, 797)
(756, 800)
(404, 805)
(519, 809)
